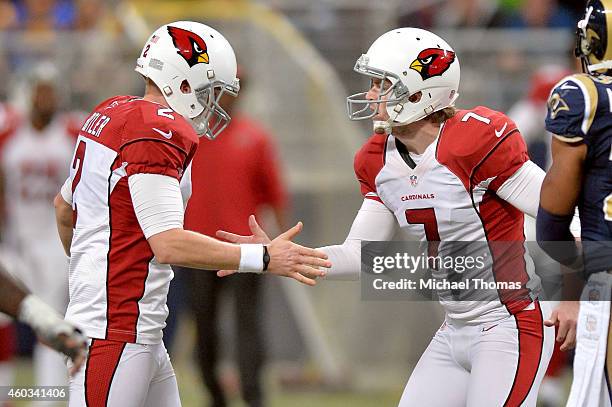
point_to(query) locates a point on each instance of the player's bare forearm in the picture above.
(563, 180)
(63, 217)
(285, 258)
(558, 197)
(11, 295)
(189, 249)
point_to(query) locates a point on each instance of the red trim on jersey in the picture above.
(472, 150)
(531, 341)
(503, 225)
(129, 256)
(368, 162)
(503, 161)
(154, 157)
(8, 342)
(102, 362)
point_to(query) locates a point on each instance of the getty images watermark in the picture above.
(457, 271)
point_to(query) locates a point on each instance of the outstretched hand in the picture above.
(286, 257)
(258, 234)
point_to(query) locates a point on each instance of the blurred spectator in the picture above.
(541, 14)
(44, 15)
(94, 15)
(96, 30)
(232, 177)
(454, 14)
(8, 15)
(33, 168)
(37, 23)
(88, 13)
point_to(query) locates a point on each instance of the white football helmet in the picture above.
(413, 60)
(201, 56)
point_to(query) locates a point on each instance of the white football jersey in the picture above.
(118, 290)
(447, 195)
(34, 168)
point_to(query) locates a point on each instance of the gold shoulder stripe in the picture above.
(569, 138)
(608, 11)
(590, 100)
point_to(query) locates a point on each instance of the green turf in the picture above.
(192, 394)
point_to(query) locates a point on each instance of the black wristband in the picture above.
(266, 258)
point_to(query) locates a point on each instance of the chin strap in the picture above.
(382, 126)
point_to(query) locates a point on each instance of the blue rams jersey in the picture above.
(580, 111)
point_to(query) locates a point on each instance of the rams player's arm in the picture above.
(373, 222)
(558, 198)
(563, 182)
(11, 294)
(60, 335)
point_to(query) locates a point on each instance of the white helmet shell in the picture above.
(191, 52)
(413, 60)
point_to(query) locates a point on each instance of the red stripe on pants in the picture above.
(531, 340)
(102, 364)
(8, 342)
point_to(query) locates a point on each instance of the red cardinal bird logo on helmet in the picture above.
(189, 45)
(432, 62)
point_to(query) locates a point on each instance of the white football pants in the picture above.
(593, 357)
(119, 374)
(496, 364)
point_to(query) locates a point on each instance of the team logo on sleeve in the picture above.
(556, 104)
(189, 45)
(432, 62)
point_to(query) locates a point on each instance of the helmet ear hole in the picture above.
(415, 97)
(185, 87)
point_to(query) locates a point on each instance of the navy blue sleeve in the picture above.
(570, 108)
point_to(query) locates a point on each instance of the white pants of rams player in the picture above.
(119, 374)
(496, 364)
(590, 387)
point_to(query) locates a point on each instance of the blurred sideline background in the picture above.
(326, 346)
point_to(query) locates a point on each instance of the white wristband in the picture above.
(251, 258)
(41, 317)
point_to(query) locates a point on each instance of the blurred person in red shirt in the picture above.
(234, 176)
(528, 113)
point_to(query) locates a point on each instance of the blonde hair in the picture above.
(441, 116)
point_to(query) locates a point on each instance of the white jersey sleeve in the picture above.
(66, 191)
(186, 187)
(157, 201)
(522, 189)
(373, 222)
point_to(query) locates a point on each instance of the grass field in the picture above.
(193, 395)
